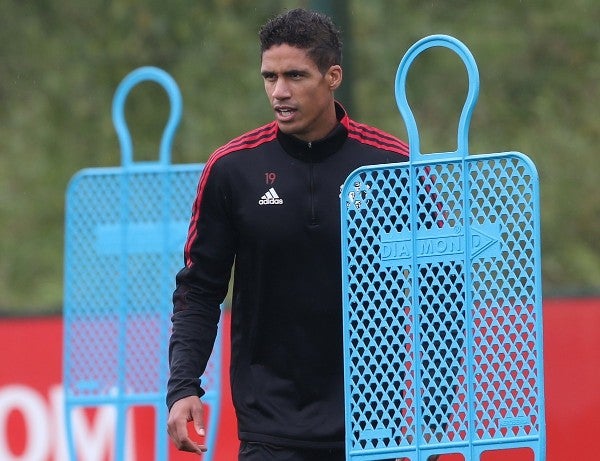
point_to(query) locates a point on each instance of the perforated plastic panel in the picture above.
(442, 299)
(125, 231)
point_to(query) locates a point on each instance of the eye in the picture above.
(269, 77)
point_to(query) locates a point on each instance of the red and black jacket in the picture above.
(268, 205)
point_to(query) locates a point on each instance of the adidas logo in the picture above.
(270, 198)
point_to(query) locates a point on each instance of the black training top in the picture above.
(270, 203)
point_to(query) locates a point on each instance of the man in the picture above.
(269, 201)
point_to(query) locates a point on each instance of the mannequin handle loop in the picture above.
(142, 74)
(467, 110)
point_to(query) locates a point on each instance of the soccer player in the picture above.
(268, 206)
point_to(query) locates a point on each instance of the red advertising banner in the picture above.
(31, 408)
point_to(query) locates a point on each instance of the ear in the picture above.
(334, 77)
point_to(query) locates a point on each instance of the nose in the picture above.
(281, 89)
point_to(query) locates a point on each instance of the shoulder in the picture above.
(249, 140)
(375, 137)
(246, 142)
(215, 167)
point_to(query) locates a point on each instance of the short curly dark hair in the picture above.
(308, 30)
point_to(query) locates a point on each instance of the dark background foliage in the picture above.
(61, 60)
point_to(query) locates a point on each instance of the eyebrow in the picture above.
(287, 73)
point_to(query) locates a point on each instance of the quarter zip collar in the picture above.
(315, 151)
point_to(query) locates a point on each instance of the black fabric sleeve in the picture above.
(201, 287)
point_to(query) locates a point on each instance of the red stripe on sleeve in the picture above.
(376, 138)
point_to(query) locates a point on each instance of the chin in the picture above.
(288, 128)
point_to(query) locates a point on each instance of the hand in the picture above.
(182, 412)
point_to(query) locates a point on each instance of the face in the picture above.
(300, 95)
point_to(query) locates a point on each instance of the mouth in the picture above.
(284, 113)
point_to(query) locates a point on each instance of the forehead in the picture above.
(281, 58)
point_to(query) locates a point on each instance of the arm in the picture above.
(200, 289)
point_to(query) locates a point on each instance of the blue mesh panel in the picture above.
(125, 232)
(442, 302)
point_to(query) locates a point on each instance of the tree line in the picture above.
(62, 61)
